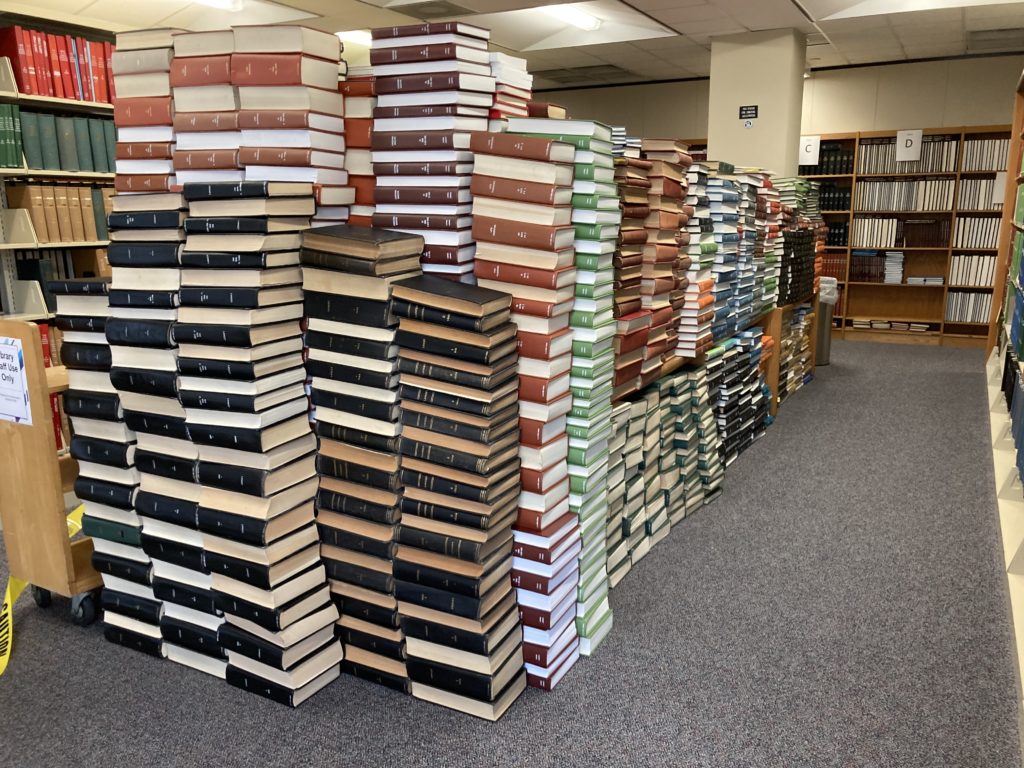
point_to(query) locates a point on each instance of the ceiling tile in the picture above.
(652, 5)
(693, 15)
(201, 17)
(700, 31)
(765, 14)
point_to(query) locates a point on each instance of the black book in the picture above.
(457, 680)
(357, 473)
(144, 299)
(133, 606)
(444, 400)
(439, 599)
(196, 598)
(448, 487)
(167, 509)
(144, 220)
(157, 254)
(360, 609)
(248, 480)
(155, 424)
(357, 437)
(437, 578)
(375, 676)
(197, 638)
(229, 190)
(434, 291)
(393, 649)
(79, 287)
(221, 369)
(246, 530)
(351, 375)
(107, 452)
(254, 574)
(174, 467)
(348, 309)
(361, 406)
(451, 546)
(258, 260)
(122, 567)
(355, 542)
(282, 694)
(349, 345)
(229, 437)
(268, 618)
(81, 323)
(456, 376)
(437, 346)
(339, 262)
(92, 405)
(221, 401)
(228, 225)
(463, 640)
(333, 501)
(149, 645)
(85, 357)
(361, 577)
(174, 552)
(502, 423)
(146, 382)
(445, 514)
(139, 333)
(104, 492)
(221, 335)
(438, 454)
(452, 319)
(212, 296)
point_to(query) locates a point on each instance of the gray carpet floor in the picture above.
(842, 604)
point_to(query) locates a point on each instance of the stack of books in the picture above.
(434, 84)
(709, 459)
(207, 127)
(672, 486)
(749, 183)
(360, 92)
(541, 282)
(795, 350)
(685, 441)
(797, 268)
(769, 254)
(724, 199)
(617, 550)
(460, 470)
(634, 521)
(107, 478)
(738, 392)
(634, 322)
(246, 410)
(513, 89)
(292, 113)
(660, 261)
(695, 323)
(353, 362)
(893, 267)
(655, 518)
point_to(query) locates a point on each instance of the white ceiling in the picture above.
(840, 32)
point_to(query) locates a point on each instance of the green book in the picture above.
(110, 134)
(6, 136)
(30, 139)
(592, 261)
(105, 529)
(83, 145)
(590, 172)
(594, 202)
(599, 291)
(587, 143)
(98, 143)
(100, 213)
(19, 149)
(67, 146)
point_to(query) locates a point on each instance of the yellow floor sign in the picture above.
(14, 589)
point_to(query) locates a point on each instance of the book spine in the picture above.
(356, 473)
(450, 546)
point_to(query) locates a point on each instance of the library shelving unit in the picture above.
(841, 172)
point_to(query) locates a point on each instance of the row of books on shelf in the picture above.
(59, 264)
(59, 66)
(63, 143)
(968, 307)
(973, 269)
(890, 232)
(905, 195)
(938, 155)
(977, 232)
(63, 213)
(834, 198)
(834, 158)
(889, 325)
(985, 154)
(878, 156)
(980, 194)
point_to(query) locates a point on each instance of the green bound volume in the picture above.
(30, 139)
(580, 142)
(110, 134)
(101, 214)
(19, 156)
(83, 145)
(102, 163)
(105, 529)
(6, 136)
(67, 144)
(48, 138)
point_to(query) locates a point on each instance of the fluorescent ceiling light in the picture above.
(222, 5)
(880, 7)
(357, 36)
(572, 15)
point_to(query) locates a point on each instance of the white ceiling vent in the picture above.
(995, 40)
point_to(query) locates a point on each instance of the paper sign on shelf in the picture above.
(14, 401)
(908, 145)
(810, 149)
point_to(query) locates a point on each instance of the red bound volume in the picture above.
(64, 56)
(365, 187)
(188, 122)
(414, 54)
(149, 110)
(266, 68)
(421, 110)
(440, 254)
(507, 145)
(418, 196)
(434, 81)
(511, 189)
(533, 307)
(195, 159)
(55, 75)
(416, 169)
(510, 273)
(428, 28)
(44, 338)
(96, 70)
(423, 140)
(42, 59)
(201, 70)
(142, 183)
(12, 45)
(416, 221)
(534, 583)
(661, 316)
(531, 520)
(108, 57)
(532, 480)
(293, 156)
(142, 151)
(538, 346)
(516, 233)
(630, 341)
(358, 132)
(535, 389)
(284, 120)
(358, 86)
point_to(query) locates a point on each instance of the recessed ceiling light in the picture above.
(223, 5)
(357, 36)
(570, 14)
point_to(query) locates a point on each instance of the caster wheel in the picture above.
(42, 597)
(83, 609)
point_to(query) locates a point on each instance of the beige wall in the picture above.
(930, 94)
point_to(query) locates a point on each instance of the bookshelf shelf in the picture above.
(56, 105)
(971, 287)
(31, 173)
(980, 212)
(982, 173)
(975, 250)
(834, 213)
(59, 244)
(901, 213)
(919, 175)
(894, 285)
(830, 176)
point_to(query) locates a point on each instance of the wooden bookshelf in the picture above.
(888, 301)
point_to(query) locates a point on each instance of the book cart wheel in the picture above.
(83, 609)
(42, 596)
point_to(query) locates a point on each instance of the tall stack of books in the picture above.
(617, 550)
(353, 362)
(207, 127)
(672, 486)
(724, 201)
(685, 441)
(513, 89)
(634, 522)
(360, 92)
(695, 323)
(709, 459)
(460, 469)
(893, 267)
(748, 183)
(634, 322)
(107, 478)
(738, 392)
(434, 84)
(246, 410)
(541, 283)
(292, 116)
(769, 220)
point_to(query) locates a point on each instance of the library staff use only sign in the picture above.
(14, 401)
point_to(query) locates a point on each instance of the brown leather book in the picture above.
(88, 213)
(49, 197)
(633, 236)
(535, 389)
(423, 110)
(511, 189)
(540, 346)
(205, 158)
(522, 234)
(547, 109)
(60, 194)
(510, 273)
(419, 195)
(419, 169)
(661, 316)
(420, 140)
(201, 70)
(440, 254)
(144, 151)
(358, 86)
(416, 221)
(433, 81)
(630, 341)
(75, 215)
(534, 308)
(662, 185)
(358, 132)
(364, 187)
(186, 122)
(292, 156)
(413, 54)
(523, 147)
(148, 110)
(280, 120)
(429, 28)
(142, 183)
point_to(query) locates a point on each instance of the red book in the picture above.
(513, 189)
(64, 57)
(358, 132)
(186, 122)
(417, 221)
(551, 279)
(359, 86)
(30, 60)
(76, 82)
(532, 480)
(540, 346)
(556, 533)
(201, 70)
(364, 187)
(541, 584)
(143, 151)
(42, 59)
(521, 234)
(12, 45)
(108, 56)
(440, 254)
(44, 338)
(534, 307)
(554, 675)
(96, 68)
(533, 521)
(205, 158)
(101, 67)
(535, 389)
(142, 183)
(55, 72)
(85, 64)
(150, 110)
(523, 147)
